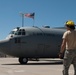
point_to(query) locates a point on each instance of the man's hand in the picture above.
(61, 55)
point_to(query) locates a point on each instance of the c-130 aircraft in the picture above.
(32, 42)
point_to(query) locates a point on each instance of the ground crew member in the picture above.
(69, 45)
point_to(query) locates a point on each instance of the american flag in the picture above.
(30, 15)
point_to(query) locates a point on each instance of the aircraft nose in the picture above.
(4, 46)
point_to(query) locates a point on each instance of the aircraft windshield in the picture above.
(12, 32)
(20, 32)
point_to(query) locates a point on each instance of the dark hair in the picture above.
(72, 27)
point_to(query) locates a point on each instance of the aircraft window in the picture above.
(23, 32)
(17, 33)
(20, 32)
(12, 32)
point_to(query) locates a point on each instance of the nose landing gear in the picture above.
(23, 60)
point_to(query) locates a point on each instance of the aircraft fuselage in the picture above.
(34, 43)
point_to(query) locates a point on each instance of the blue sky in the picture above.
(53, 13)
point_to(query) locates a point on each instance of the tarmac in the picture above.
(11, 66)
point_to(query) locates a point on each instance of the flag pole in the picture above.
(33, 19)
(33, 22)
(22, 15)
(22, 19)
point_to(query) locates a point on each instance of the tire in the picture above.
(23, 60)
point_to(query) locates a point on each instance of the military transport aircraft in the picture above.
(33, 42)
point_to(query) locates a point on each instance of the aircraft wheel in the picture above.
(23, 60)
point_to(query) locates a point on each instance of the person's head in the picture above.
(70, 24)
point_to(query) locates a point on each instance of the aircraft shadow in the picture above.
(47, 62)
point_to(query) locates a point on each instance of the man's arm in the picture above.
(63, 45)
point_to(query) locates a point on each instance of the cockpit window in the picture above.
(23, 32)
(12, 32)
(20, 32)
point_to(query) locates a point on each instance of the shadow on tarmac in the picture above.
(46, 62)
